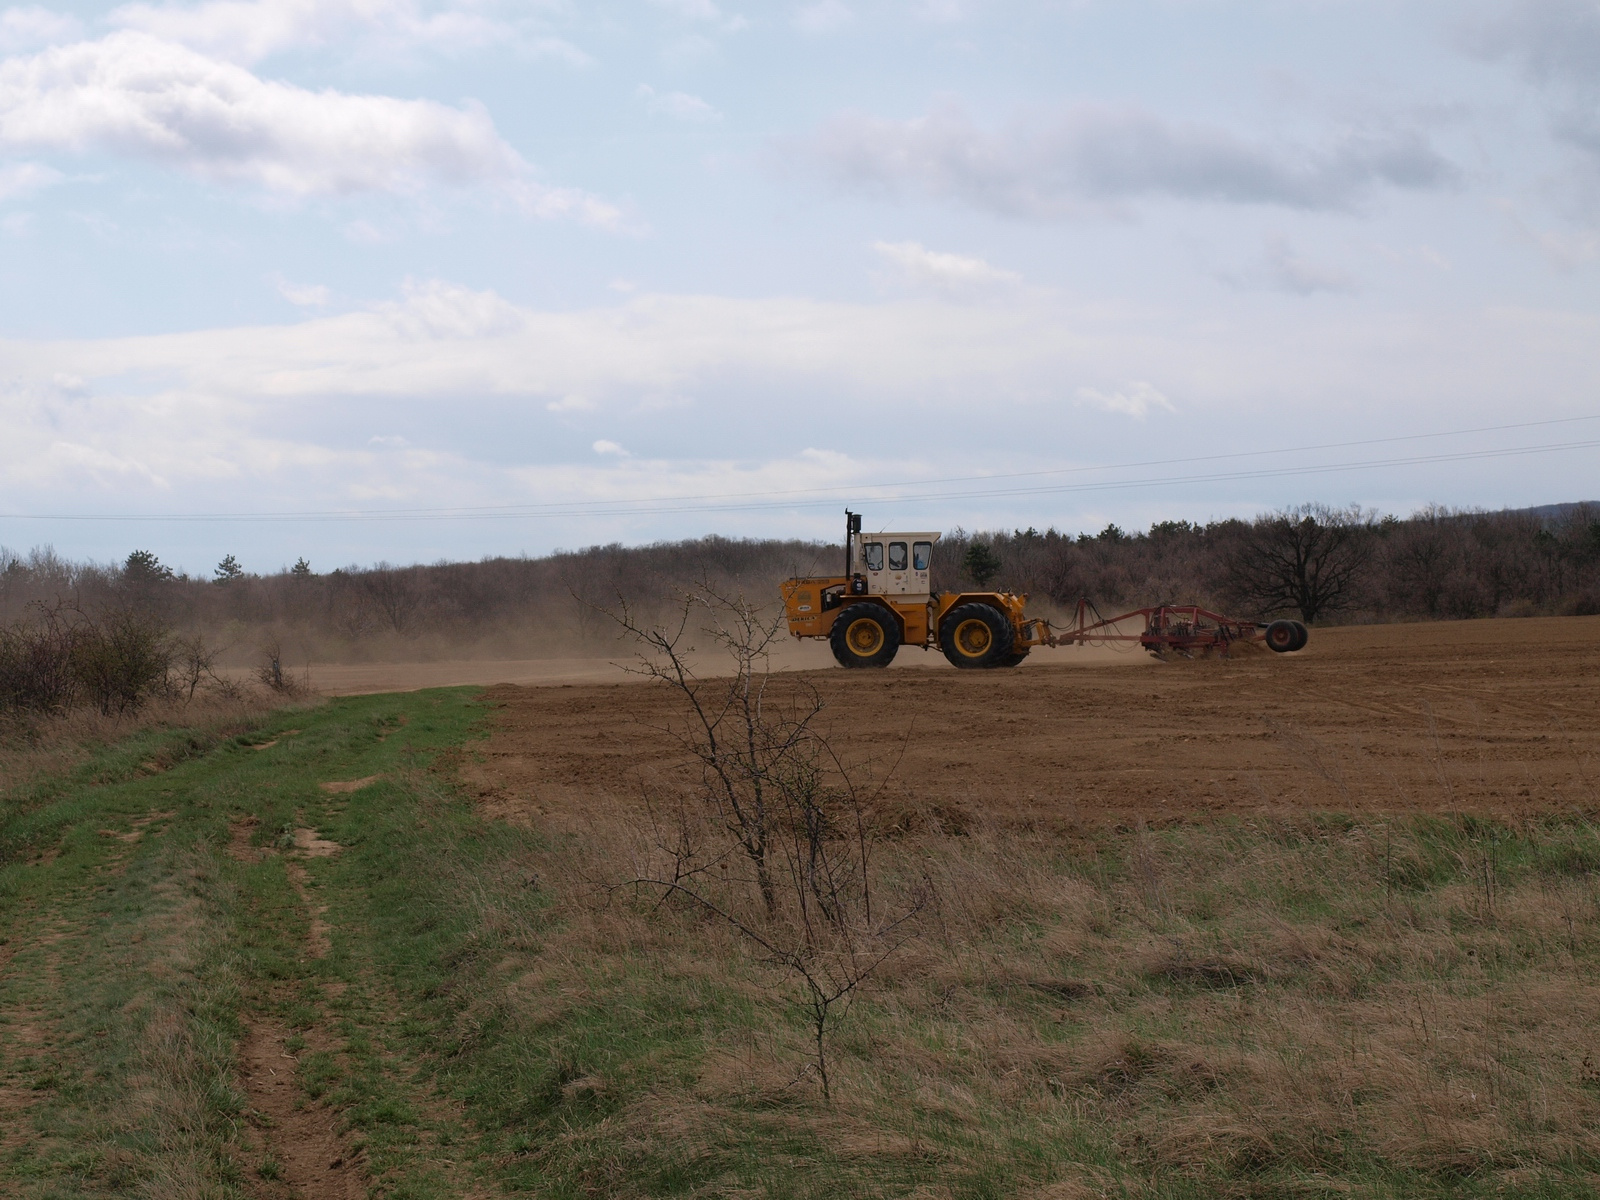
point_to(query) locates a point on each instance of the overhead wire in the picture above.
(800, 498)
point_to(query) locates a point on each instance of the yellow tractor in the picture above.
(884, 600)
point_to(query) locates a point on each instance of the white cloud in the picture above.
(19, 179)
(943, 12)
(238, 417)
(1563, 249)
(1289, 271)
(942, 271)
(438, 311)
(303, 295)
(607, 447)
(1552, 40)
(1556, 43)
(690, 10)
(1093, 157)
(27, 27)
(250, 30)
(680, 106)
(557, 48)
(389, 441)
(824, 16)
(135, 95)
(1136, 399)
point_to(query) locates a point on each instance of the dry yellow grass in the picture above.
(1244, 1008)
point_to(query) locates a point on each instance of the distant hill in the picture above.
(1556, 511)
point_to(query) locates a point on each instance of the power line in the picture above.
(797, 498)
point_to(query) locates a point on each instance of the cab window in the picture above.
(921, 554)
(897, 556)
(874, 556)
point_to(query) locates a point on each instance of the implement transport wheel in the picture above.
(1283, 637)
(864, 635)
(1302, 636)
(977, 635)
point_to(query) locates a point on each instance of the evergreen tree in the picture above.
(981, 563)
(144, 567)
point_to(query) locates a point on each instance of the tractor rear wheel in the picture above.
(1014, 659)
(1282, 637)
(864, 635)
(976, 635)
(1302, 635)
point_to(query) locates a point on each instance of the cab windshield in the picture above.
(874, 556)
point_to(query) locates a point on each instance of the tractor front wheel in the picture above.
(977, 635)
(864, 635)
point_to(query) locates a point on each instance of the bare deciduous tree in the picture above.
(1309, 559)
(395, 592)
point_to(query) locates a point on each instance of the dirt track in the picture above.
(1480, 716)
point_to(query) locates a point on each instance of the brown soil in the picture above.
(137, 832)
(313, 1158)
(302, 1137)
(1498, 717)
(612, 666)
(350, 785)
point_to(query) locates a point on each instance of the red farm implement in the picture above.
(1167, 629)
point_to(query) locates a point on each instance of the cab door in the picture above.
(921, 567)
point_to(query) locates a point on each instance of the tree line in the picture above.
(1315, 562)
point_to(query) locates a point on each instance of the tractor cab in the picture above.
(893, 564)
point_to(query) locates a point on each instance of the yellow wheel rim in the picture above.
(973, 638)
(864, 637)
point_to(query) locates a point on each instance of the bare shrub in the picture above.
(37, 672)
(194, 660)
(62, 657)
(774, 840)
(123, 660)
(271, 673)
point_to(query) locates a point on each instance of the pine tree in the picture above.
(981, 563)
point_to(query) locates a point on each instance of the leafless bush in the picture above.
(774, 840)
(271, 673)
(37, 664)
(62, 657)
(194, 663)
(123, 659)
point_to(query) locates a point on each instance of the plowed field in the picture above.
(1493, 717)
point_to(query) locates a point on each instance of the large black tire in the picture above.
(1014, 659)
(1282, 637)
(1302, 635)
(864, 635)
(976, 635)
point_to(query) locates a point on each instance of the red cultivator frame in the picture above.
(1184, 629)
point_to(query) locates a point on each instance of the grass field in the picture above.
(306, 960)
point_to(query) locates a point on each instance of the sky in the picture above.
(410, 280)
